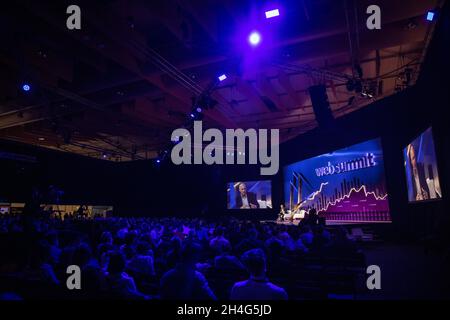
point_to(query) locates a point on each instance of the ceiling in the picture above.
(118, 87)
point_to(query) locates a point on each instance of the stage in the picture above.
(327, 223)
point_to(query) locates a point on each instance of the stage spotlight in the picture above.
(199, 109)
(26, 87)
(430, 15)
(158, 161)
(195, 114)
(222, 77)
(254, 38)
(272, 13)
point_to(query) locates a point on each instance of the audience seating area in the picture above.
(128, 257)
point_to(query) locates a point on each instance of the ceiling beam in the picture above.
(201, 11)
(283, 78)
(248, 90)
(265, 87)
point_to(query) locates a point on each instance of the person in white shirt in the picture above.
(245, 199)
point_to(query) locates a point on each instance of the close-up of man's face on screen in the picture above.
(421, 169)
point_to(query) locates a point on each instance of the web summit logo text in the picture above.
(213, 153)
(365, 161)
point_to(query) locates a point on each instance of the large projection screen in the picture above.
(344, 186)
(422, 176)
(249, 195)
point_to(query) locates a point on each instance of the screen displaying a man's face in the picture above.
(421, 169)
(243, 189)
(412, 156)
(249, 195)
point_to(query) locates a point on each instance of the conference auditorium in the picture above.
(224, 151)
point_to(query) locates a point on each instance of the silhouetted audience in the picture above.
(118, 281)
(184, 282)
(166, 258)
(142, 262)
(219, 243)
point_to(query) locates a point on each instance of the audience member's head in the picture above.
(253, 234)
(275, 249)
(130, 237)
(116, 264)
(82, 254)
(190, 253)
(219, 232)
(255, 262)
(143, 248)
(52, 238)
(106, 237)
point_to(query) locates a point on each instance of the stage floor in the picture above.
(328, 223)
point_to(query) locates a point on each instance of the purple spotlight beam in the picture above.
(272, 13)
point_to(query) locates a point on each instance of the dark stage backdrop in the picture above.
(82, 179)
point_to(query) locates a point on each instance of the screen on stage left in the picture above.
(249, 195)
(422, 176)
(344, 186)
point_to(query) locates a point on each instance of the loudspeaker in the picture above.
(321, 105)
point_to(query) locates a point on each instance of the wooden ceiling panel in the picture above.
(121, 84)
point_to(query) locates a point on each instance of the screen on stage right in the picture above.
(421, 169)
(344, 186)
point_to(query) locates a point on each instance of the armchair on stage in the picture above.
(291, 215)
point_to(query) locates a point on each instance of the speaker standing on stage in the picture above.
(282, 213)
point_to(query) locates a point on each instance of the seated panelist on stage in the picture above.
(244, 199)
(282, 213)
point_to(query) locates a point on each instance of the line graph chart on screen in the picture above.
(350, 196)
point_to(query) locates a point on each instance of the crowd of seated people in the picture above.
(160, 258)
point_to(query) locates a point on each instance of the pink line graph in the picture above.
(345, 196)
(315, 193)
